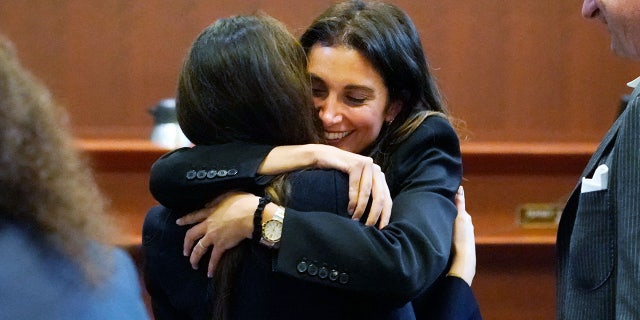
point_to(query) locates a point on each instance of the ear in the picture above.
(393, 111)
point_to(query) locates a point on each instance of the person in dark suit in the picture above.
(54, 234)
(364, 271)
(599, 232)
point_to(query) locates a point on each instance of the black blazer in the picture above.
(179, 292)
(391, 266)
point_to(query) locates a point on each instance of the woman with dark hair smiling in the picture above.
(308, 257)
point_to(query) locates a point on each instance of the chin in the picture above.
(624, 51)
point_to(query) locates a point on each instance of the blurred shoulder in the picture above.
(26, 280)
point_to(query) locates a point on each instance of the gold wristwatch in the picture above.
(272, 229)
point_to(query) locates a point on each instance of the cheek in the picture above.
(375, 130)
(368, 124)
(623, 40)
(632, 38)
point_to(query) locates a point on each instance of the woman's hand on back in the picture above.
(223, 224)
(464, 246)
(366, 179)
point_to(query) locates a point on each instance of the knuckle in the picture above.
(366, 161)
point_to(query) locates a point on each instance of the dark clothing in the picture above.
(599, 232)
(328, 265)
(260, 293)
(450, 298)
(176, 290)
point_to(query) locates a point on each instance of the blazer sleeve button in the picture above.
(212, 174)
(323, 273)
(312, 270)
(191, 174)
(333, 275)
(302, 266)
(201, 174)
(344, 278)
(222, 173)
(232, 172)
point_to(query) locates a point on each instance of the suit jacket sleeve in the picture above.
(401, 260)
(187, 178)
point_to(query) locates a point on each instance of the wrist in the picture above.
(289, 158)
(308, 155)
(268, 212)
(258, 217)
(321, 155)
(464, 267)
(273, 221)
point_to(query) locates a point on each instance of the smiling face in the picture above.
(622, 18)
(350, 96)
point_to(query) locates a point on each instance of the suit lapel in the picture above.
(609, 137)
(571, 206)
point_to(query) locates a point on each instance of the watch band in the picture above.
(279, 214)
(257, 218)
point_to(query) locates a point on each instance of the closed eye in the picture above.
(355, 100)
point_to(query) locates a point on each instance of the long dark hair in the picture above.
(385, 35)
(245, 79)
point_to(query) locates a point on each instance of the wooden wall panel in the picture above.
(516, 282)
(527, 70)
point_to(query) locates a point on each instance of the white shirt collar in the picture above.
(634, 83)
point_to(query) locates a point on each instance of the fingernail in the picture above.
(209, 275)
(184, 253)
(350, 210)
(461, 190)
(179, 221)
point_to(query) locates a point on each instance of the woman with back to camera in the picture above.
(56, 263)
(422, 165)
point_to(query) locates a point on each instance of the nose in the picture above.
(589, 9)
(330, 113)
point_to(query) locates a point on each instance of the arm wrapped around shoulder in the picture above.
(187, 178)
(395, 263)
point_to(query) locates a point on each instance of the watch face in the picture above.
(272, 230)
